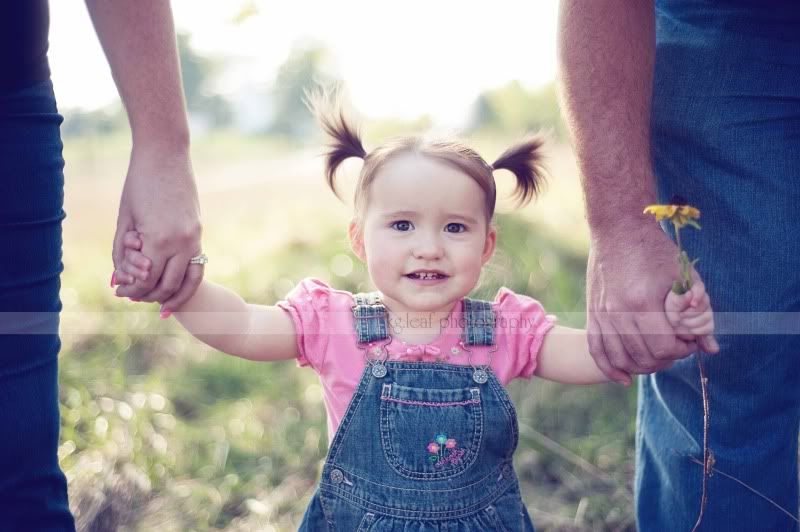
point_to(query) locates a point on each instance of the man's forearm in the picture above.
(606, 56)
(140, 44)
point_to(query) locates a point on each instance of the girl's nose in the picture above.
(428, 247)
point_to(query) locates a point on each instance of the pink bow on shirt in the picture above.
(421, 353)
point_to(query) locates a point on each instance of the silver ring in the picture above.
(200, 259)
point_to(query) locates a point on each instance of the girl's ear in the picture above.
(356, 240)
(489, 245)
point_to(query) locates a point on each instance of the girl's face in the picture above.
(425, 235)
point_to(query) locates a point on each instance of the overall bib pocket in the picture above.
(430, 434)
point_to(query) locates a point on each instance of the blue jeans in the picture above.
(726, 137)
(33, 490)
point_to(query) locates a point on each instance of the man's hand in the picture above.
(629, 272)
(159, 201)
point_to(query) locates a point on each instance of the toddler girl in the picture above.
(422, 430)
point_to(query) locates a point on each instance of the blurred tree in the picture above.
(306, 67)
(247, 11)
(198, 72)
(512, 109)
(78, 122)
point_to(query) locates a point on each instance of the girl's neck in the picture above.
(418, 327)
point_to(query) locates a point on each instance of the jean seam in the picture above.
(326, 512)
(366, 505)
(359, 479)
(494, 518)
(366, 522)
(345, 423)
(508, 406)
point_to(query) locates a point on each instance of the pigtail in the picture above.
(345, 141)
(524, 160)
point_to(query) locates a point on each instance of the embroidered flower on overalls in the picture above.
(444, 451)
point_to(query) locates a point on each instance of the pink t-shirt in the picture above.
(326, 340)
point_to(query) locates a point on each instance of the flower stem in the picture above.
(685, 283)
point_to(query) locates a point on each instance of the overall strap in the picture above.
(371, 322)
(479, 322)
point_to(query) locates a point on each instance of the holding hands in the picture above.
(161, 271)
(688, 318)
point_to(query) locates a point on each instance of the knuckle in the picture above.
(637, 299)
(162, 241)
(191, 233)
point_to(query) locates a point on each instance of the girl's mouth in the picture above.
(426, 277)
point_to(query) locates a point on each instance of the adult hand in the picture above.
(159, 201)
(629, 273)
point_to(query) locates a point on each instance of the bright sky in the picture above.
(397, 58)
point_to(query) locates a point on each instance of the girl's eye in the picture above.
(455, 227)
(402, 225)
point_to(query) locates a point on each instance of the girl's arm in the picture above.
(220, 318)
(564, 357)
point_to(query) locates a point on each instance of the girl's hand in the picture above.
(691, 316)
(134, 265)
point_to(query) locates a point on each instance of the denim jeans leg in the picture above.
(33, 489)
(726, 136)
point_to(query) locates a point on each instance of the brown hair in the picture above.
(523, 159)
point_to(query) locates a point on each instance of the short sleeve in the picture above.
(521, 324)
(308, 305)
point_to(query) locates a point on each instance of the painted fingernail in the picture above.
(165, 314)
(134, 299)
(113, 279)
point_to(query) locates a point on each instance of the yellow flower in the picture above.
(680, 215)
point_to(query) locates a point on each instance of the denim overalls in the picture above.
(422, 446)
